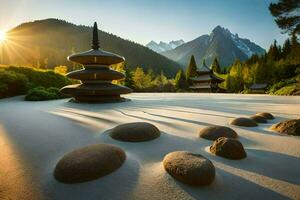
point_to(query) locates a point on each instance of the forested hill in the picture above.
(47, 43)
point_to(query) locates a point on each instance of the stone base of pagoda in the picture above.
(98, 99)
(96, 92)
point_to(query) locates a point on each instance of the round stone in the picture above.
(189, 168)
(89, 163)
(228, 148)
(214, 132)
(242, 121)
(266, 115)
(289, 127)
(135, 132)
(259, 119)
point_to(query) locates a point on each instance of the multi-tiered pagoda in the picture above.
(96, 77)
(205, 81)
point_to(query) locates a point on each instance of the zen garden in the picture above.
(88, 115)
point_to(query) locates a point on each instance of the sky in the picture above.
(159, 20)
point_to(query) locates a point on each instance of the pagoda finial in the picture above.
(95, 44)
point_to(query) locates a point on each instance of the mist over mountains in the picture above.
(220, 43)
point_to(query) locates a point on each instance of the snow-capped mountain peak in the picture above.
(220, 43)
(163, 46)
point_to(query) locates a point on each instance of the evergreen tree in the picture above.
(128, 81)
(274, 52)
(295, 48)
(216, 66)
(180, 81)
(286, 15)
(192, 69)
(286, 49)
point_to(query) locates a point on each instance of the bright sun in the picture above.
(2, 36)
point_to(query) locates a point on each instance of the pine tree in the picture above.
(286, 49)
(274, 52)
(216, 66)
(180, 81)
(128, 81)
(295, 48)
(286, 16)
(192, 68)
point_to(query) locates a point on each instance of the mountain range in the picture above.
(47, 43)
(163, 46)
(220, 43)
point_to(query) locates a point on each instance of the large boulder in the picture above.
(259, 119)
(242, 121)
(228, 148)
(89, 163)
(289, 127)
(189, 168)
(214, 132)
(135, 132)
(265, 115)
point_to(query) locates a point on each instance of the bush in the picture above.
(44, 78)
(12, 83)
(287, 90)
(41, 94)
(18, 80)
(277, 86)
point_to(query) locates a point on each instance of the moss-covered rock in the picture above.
(259, 119)
(135, 132)
(215, 132)
(289, 127)
(89, 163)
(228, 148)
(189, 168)
(242, 121)
(265, 115)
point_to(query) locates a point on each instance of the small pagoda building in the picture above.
(258, 88)
(96, 77)
(205, 80)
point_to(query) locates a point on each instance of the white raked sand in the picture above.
(35, 135)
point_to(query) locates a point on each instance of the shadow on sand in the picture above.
(225, 186)
(118, 185)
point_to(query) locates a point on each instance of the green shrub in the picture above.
(277, 86)
(41, 94)
(12, 83)
(18, 80)
(287, 90)
(44, 78)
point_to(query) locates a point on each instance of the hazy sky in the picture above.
(142, 21)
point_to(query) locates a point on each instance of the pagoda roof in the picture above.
(258, 86)
(96, 56)
(203, 68)
(206, 77)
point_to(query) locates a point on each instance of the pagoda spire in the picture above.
(95, 44)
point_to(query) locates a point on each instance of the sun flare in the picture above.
(2, 36)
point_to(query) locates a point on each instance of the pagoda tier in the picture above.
(96, 76)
